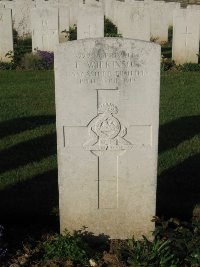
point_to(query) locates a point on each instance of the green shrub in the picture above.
(167, 64)
(175, 244)
(170, 34)
(6, 65)
(110, 30)
(68, 247)
(21, 46)
(72, 33)
(31, 61)
(190, 67)
(146, 253)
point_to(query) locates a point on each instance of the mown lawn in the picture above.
(28, 166)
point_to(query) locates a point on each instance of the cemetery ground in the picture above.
(28, 166)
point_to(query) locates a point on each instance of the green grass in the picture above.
(28, 166)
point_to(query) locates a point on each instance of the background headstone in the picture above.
(44, 28)
(158, 21)
(195, 7)
(170, 8)
(90, 21)
(107, 110)
(74, 11)
(6, 34)
(132, 20)
(22, 17)
(64, 22)
(185, 45)
(109, 10)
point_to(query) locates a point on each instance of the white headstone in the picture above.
(107, 106)
(64, 18)
(158, 21)
(132, 20)
(195, 7)
(170, 7)
(44, 28)
(90, 22)
(6, 34)
(46, 3)
(74, 11)
(185, 44)
(22, 16)
(109, 10)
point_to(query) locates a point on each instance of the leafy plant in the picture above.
(167, 64)
(170, 34)
(31, 61)
(68, 247)
(154, 39)
(175, 244)
(21, 47)
(110, 30)
(72, 33)
(6, 65)
(146, 253)
(190, 67)
(41, 60)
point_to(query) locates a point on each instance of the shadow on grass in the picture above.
(178, 131)
(178, 187)
(31, 200)
(24, 153)
(19, 125)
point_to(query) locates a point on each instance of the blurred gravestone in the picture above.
(44, 28)
(6, 40)
(185, 45)
(90, 20)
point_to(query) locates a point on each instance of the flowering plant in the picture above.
(47, 59)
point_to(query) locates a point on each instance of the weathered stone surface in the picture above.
(74, 10)
(20, 15)
(185, 46)
(6, 40)
(44, 28)
(132, 20)
(64, 22)
(107, 105)
(109, 10)
(170, 8)
(158, 20)
(49, 3)
(195, 7)
(90, 21)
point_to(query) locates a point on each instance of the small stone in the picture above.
(92, 263)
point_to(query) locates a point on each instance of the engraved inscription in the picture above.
(107, 68)
(106, 131)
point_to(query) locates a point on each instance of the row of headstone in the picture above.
(135, 19)
(156, 14)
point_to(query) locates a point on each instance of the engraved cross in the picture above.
(105, 138)
(186, 33)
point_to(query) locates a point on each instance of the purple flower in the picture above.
(47, 59)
